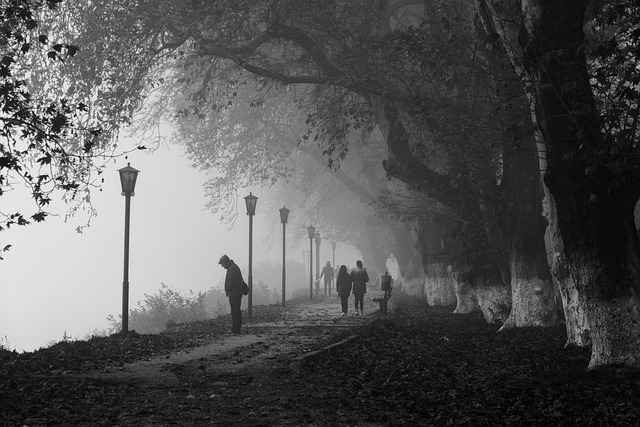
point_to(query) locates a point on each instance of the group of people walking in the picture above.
(347, 283)
(352, 282)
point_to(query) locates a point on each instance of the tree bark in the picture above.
(532, 293)
(410, 277)
(438, 286)
(594, 202)
(523, 226)
(466, 300)
(494, 298)
(533, 301)
(472, 266)
(480, 290)
(577, 325)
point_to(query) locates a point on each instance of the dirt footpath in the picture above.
(304, 331)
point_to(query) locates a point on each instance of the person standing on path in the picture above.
(359, 277)
(327, 273)
(233, 289)
(343, 286)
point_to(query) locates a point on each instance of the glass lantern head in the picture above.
(251, 201)
(128, 177)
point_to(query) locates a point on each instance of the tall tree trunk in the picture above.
(480, 290)
(576, 323)
(376, 252)
(494, 297)
(478, 282)
(595, 216)
(438, 286)
(466, 300)
(594, 202)
(522, 224)
(474, 256)
(411, 276)
(477, 269)
(533, 291)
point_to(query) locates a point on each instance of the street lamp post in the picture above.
(333, 265)
(250, 201)
(317, 238)
(284, 215)
(128, 177)
(311, 230)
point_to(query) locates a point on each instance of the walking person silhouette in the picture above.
(327, 273)
(359, 277)
(343, 286)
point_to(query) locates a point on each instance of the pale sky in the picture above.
(56, 281)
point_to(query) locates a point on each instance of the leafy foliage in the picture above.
(159, 311)
(249, 141)
(168, 307)
(46, 143)
(614, 51)
(223, 74)
(51, 142)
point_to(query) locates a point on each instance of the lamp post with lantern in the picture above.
(284, 215)
(250, 201)
(128, 177)
(312, 231)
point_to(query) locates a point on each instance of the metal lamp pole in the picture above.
(317, 238)
(333, 265)
(250, 201)
(311, 230)
(284, 215)
(128, 177)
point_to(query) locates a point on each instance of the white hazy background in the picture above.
(55, 282)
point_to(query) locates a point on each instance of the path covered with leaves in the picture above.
(418, 365)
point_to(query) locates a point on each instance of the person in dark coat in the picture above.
(359, 277)
(343, 286)
(327, 273)
(233, 289)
